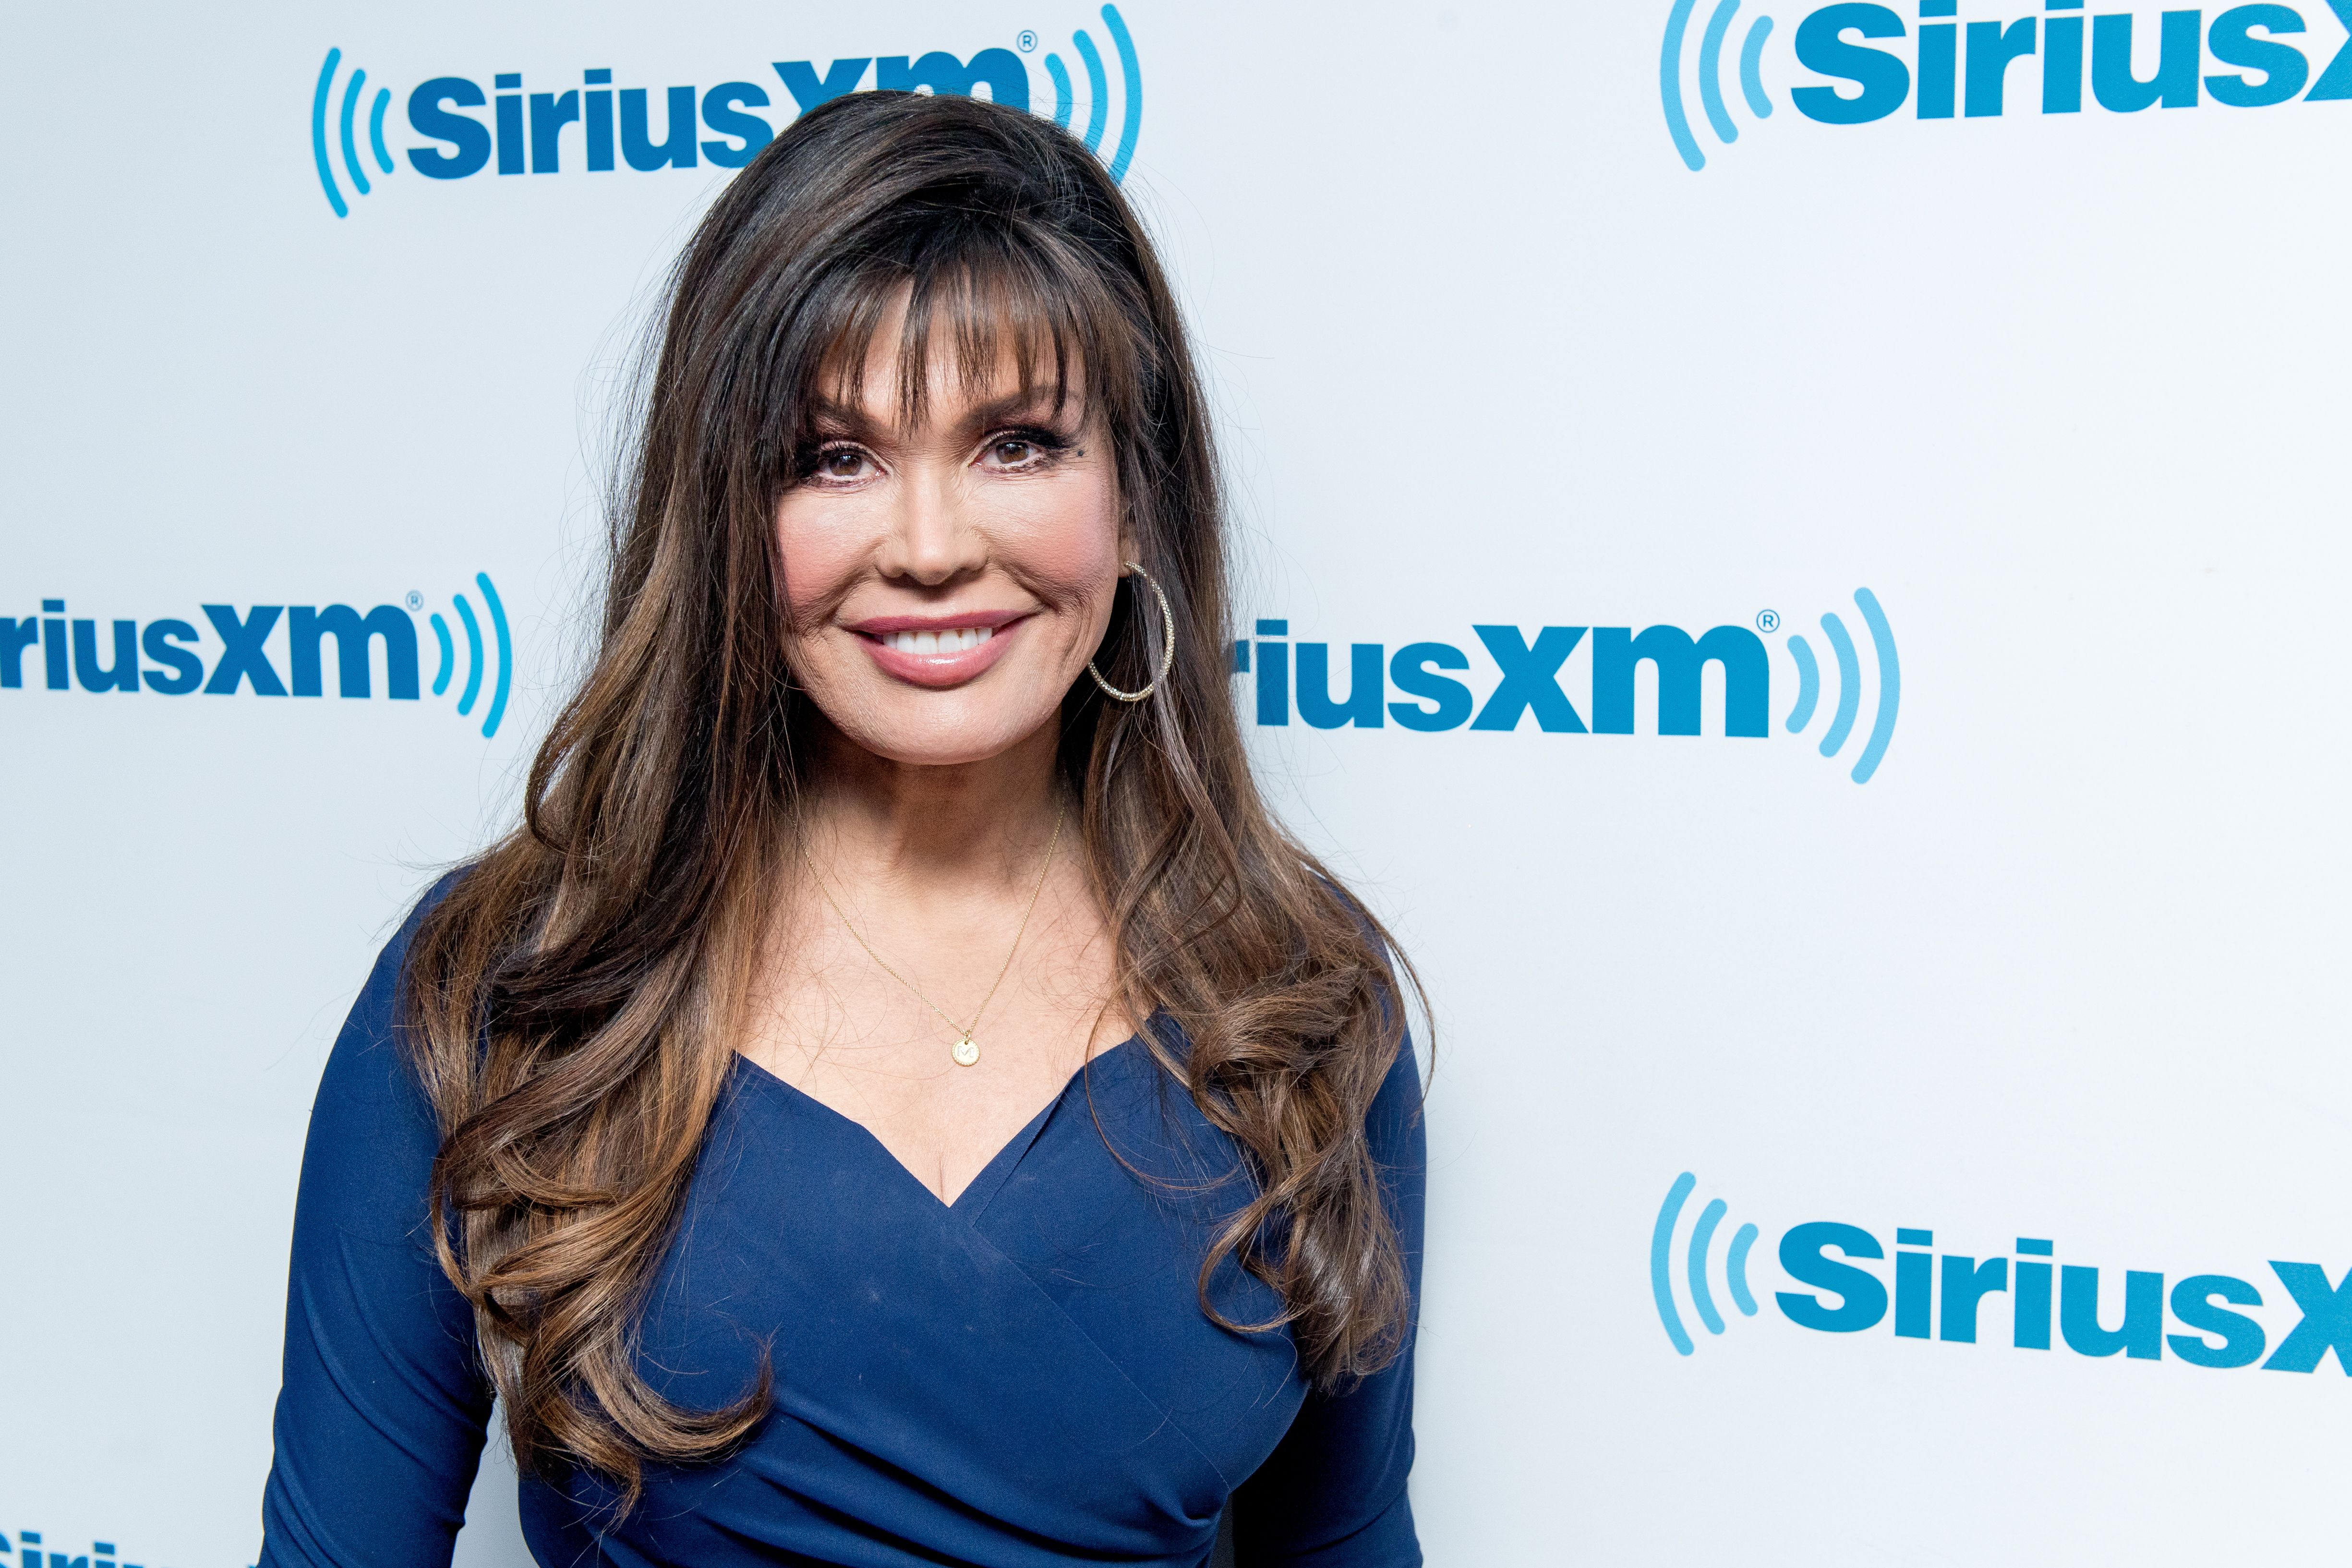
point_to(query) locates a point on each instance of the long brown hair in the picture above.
(572, 1002)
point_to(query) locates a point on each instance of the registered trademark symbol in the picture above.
(1027, 41)
(1768, 620)
(415, 600)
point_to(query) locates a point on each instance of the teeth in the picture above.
(941, 642)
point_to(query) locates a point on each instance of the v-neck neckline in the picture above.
(976, 1193)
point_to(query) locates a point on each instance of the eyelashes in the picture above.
(1014, 449)
(822, 464)
(1047, 448)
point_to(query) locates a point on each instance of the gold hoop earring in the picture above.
(1168, 649)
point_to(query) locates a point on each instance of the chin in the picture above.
(942, 755)
(922, 743)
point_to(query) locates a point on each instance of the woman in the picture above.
(899, 1098)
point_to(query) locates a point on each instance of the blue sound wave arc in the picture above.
(1890, 685)
(1670, 94)
(480, 654)
(351, 147)
(347, 129)
(1131, 124)
(473, 657)
(1661, 1238)
(1710, 72)
(1695, 1265)
(1060, 74)
(318, 133)
(1702, 1237)
(1098, 90)
(1752, 71)
(375, 129)
(1849, 685)
(1709, 68)
(506, 656)
(1849, 679)
(1809, 684)
(1735, 1270)
(1130, 67)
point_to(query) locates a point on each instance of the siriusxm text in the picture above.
(2046, 1301)
(595, 127)
(31, 1553)
(2247, 56)
(272, 650)
(165, 656)
(1301, 677)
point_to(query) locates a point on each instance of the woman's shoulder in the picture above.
(372, 1124)
(1392, 985)
(375, 1017)
(1392, 1120)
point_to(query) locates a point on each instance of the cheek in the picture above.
(822, 548)
(1066, 543)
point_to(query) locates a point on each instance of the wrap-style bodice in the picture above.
(1024, 1376)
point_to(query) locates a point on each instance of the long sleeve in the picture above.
(381, 1415)
(1332, 1495)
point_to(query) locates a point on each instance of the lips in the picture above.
(938, 650)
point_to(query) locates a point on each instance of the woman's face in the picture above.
(947, 580)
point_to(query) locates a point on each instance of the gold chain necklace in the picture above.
(966, 1051)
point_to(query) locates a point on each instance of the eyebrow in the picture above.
(996, 411)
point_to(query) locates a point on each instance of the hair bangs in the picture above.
(1002, 310)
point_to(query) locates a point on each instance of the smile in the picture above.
(939, 651)
(956, 641)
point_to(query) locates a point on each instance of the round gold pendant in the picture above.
(965, 1052)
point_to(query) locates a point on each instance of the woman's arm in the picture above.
(1332, 1495)
(381, 1415)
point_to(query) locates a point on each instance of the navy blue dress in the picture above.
(1024, 1376)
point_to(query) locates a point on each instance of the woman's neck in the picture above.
(871, 819)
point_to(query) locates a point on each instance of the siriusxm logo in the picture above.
(597, 127)
(1530, 674)
(2020, 65)
(234, 653)
(1953, 1297)
(31, 1552)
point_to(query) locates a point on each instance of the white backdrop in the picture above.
(2063, 392)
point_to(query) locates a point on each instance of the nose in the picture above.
(933, 541)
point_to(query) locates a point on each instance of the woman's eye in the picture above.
(1017, 452)
(839, 463)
